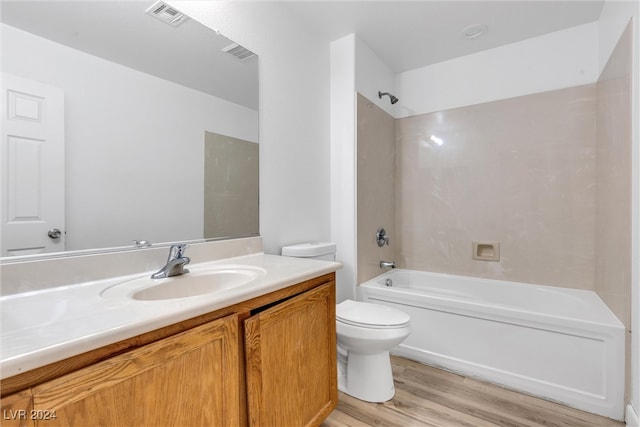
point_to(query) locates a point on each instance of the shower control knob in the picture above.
(381, 237)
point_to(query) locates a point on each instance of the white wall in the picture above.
(354, 68)
(294, 115)
(134, 143)
(373, 75)
(343, 160)
(613, 20)
(553, 61)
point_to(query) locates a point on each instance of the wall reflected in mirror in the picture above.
(231, 186)
(139, 97)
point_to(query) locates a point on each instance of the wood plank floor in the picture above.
(427, 396)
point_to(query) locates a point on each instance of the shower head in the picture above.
(392, 98)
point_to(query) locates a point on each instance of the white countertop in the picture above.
(46, 326)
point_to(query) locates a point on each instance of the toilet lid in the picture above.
(370, 315)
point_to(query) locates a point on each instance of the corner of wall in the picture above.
(372, 76)
(342, 180)
(613, 20)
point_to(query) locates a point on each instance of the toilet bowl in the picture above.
(365, 334)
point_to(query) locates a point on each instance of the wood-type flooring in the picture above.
(426, 396)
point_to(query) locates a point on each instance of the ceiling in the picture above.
(411, 34)
(120, 31)
(404, 34)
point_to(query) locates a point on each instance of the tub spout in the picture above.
(387, 264)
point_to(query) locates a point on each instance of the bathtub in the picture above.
(560, 344)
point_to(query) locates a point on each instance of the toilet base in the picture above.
(358, 380)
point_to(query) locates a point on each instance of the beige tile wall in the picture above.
(547, 175)
(613, 184)
(231, 187)
(519, 171)
(375, 187)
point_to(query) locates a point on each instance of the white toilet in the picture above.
(365, 334)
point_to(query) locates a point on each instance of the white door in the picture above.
(32, 162)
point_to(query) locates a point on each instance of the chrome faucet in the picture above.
(175, 263)
(387, 264)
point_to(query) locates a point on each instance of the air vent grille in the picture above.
(166, 13)
(240, 52)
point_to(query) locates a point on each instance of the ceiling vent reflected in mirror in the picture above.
(239, 52)
(166, 14)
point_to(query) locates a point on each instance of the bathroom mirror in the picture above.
(127, 92)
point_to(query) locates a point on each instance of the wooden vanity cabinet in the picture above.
(290, 355)
(17, 410)
(268, 361)
(189, 379)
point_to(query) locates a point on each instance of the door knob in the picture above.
(54, 233)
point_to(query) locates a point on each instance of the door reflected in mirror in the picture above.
(137, 98)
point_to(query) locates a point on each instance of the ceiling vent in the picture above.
(240, 52)
(166, 13)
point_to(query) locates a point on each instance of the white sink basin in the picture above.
(199, 281)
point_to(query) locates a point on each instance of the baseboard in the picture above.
(572, 397)
(631, 417)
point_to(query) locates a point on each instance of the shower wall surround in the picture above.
(546, 175)
(519, 171)
(613, 183)
(375, 187)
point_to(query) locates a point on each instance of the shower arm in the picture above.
(392, 98)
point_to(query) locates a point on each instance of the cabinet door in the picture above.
(291, 360)
(189, 379)
(17, 410)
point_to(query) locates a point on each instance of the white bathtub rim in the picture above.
(474, 278)
(500, 282)
(373, 287)
(567, 325)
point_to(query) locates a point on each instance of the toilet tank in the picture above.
(315, 250)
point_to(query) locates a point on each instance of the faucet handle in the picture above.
(177, 251)
(381, 237)
(141, 243)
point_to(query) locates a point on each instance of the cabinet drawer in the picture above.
(189, 379)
